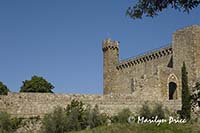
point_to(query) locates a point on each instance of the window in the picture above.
(172, 90)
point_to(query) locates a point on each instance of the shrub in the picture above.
(95, 118)
(145, 111)
(122, 117)
(16, 122)
(54, 122)
(8, 124)
(5, 122)
(76, 116)
(157, 110)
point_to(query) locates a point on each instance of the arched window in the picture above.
(172, 90)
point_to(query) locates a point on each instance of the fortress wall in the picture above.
(143, 78)
(186, 47)
(37, 104)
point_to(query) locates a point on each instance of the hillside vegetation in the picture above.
(145, 128)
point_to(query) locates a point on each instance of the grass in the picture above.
(145, 128)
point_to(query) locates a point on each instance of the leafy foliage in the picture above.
(3, 89)
(95, 118)
(147, 112)
(36, 84)
(145, 128)
(5, 123)
(151, 8)
(76, 113)
(186, 101)
(8, 124)
(54, 122)
(77, 116)
(158, 111)
(122, 117)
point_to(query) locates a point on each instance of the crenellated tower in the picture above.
(110, 59)
(186, 48)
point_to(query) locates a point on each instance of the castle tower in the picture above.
(186, 48)
(110, 59)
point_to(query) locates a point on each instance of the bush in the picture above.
(157, 110)
(122, 117)
(145, 111)
(5, 122)
(16, 122)
(95, 118)
(76, 116)
(8, 124)
(54, 122)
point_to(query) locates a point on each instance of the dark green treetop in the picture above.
(36, 84)
(3, 89)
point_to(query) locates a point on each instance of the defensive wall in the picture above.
(153, 77)
(38, 104)
(156, 73)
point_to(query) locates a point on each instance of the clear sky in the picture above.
(60, 40)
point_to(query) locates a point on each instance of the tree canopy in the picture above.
(3, 89)
(36, 84)
(151, 8)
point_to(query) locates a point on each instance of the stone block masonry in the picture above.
(154, 77)
(37, 104)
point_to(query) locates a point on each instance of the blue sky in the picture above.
(60, 40)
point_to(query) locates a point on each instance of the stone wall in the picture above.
(38, 104)
(127, 83)
(143, 72)
(152, 74)
(186, 47)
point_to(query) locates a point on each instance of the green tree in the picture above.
(76, 113)
(3, 89)
(54, 122)
(151, 8)
(186, 105)
(36, 84)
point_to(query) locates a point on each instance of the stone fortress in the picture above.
(151, 77)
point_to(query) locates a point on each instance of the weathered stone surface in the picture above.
(127, 83)
(37, 104)
(149, 76)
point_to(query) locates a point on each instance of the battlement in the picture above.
(148, 56)
(108, 44)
